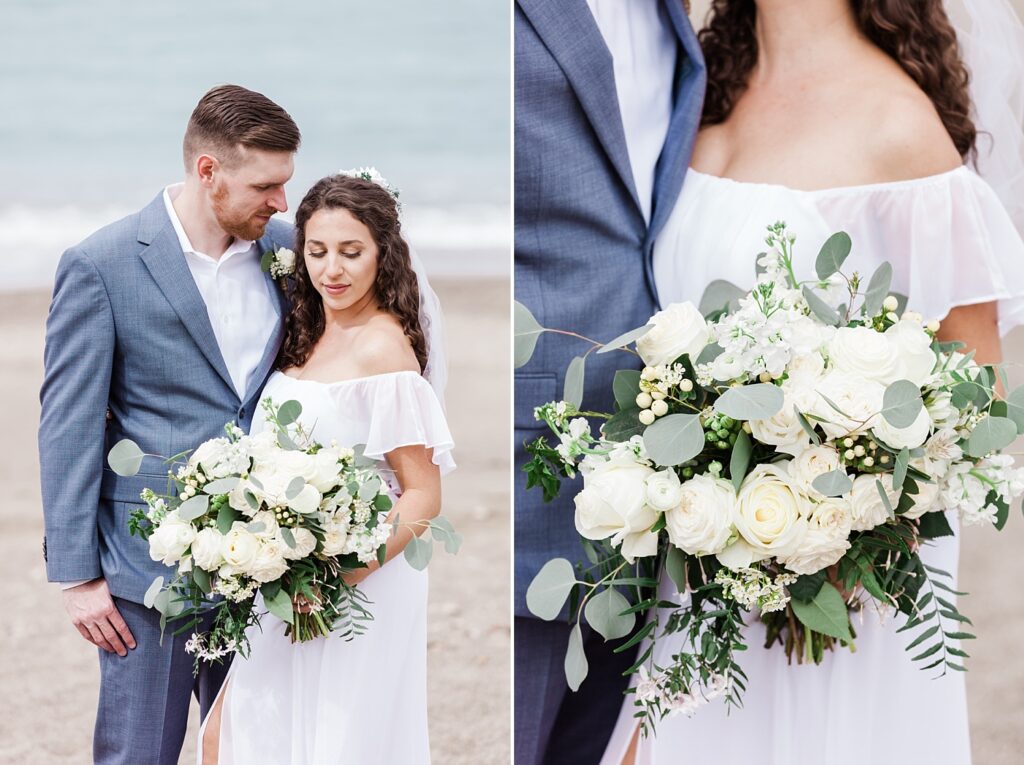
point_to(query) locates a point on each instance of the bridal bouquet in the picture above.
(785, 451)
(274, 513)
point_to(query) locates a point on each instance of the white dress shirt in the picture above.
(643, 44)
(238, 302)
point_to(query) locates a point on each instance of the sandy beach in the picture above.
(49, 675)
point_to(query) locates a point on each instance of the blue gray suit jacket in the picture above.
(582, 247)
(130, 353)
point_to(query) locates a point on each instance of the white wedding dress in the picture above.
(331, 701)
(950, 243)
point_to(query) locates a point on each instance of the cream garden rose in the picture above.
(862, 353)
(239, 547)
(866, 503)
(206, 549)
(910, 437)
(812, 462)
(826, 540)
(859, 400)
(702, 521)
(268, 564)
(913, 347)
(613, 504)
(170, 539)
(676, 330)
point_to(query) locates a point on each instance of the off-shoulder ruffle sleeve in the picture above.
(399, 409)
(949, 239)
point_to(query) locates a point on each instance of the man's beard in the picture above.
(246, 228)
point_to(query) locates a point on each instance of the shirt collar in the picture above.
(237, 245)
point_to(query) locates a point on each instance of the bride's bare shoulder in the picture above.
(383, 348)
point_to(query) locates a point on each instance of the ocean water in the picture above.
(97, 95)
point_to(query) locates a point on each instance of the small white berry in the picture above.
(660, 408)
(891, 303)
(644, 400)
(686, 386)
(647, 417)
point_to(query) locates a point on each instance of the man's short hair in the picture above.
(230, 116)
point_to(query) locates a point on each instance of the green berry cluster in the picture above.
(721, 431)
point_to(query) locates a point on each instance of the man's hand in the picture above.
(94, 614)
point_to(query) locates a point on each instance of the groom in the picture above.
(607, 106)
(162, 329)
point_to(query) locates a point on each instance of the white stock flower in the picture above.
(869, 509)
(663, 490)
(239, 547)
(859, 399)
(206, 549)
(678, 329)
(268, 564)
(913, 347)
(771, 516)
(909, 437)
(702, 522)
(861, 352)
(811, 463)
(613, 503)
(170, 539)
(826, 540)
(304, 540)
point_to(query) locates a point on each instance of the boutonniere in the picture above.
(279, 262)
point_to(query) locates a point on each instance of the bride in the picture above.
(836, 115)
(358, 352)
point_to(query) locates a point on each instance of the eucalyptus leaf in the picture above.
(885, 498)
(573, 390)
(826, 614)
(152, 592)
(221, 485)
(675, 567)
(576, 667)
(878, 290)
(280, 605)
(808, 428)
(709, 354)
(625, 339)
(548, 591)
(825, 313)
(226, 518)
(899, 470)
(1015, 408)
(604, 612)
(760, 401)
(285, 441)
(202, 579)
(256, 527)
(626, 387)
(125, 457)
(834, 483)
(740, 459)
(295, 487)
(833, 254)
(194, 507)
(674, 439)
(901, 403)
(989, 435)
(288, 537)
(369, 490)
(162, 602)
(623, 425)
(717, 295)
(418, 553)
(288, 413)
(527, 332)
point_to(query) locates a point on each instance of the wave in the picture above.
(457, 241)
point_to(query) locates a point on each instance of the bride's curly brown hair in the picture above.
(396, 289)
(915, 33)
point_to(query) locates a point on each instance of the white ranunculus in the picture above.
(914, 348)
(268, 564)
(170, 539)
(702, 522)
(861, 352)
(811, 463)
(678, 329)
(239, 547)
(859, 399)
(306, 501)
(910, 437)
(826, 540)
(663, 490)
(613, 504)
(868, 508)
(305, 543)
(782, 430)
(771, 511)
(206, 549)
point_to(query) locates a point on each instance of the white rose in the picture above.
(914, 350)
(663, 490)
(910, 437)
(859, 399)
(305, 543)
(206, 549)
(209, 453)
(613, 504)
(811, 463)
(326, 470)
(678, 329)
(170, 539)
(335, 539)
(861, 352)
(268, 564)
(263, 446)
(286, 258)
(770, 515)
(806, 337)
(239, 547)
(702, 522)
(868, 508)
(782, 430)
(306, 501)
(826, 540)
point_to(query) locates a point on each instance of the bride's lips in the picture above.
(336, 289)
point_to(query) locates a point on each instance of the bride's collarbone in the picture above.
(373, 349)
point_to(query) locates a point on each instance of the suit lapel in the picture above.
(166, 263)
(573, 38)
(280, 304)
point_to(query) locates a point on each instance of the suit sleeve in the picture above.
(76, 385)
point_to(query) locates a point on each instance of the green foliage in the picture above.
(545, 469)
(527, 331)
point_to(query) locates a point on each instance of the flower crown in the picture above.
(372, 175)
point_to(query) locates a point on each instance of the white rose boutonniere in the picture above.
(279, 263)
